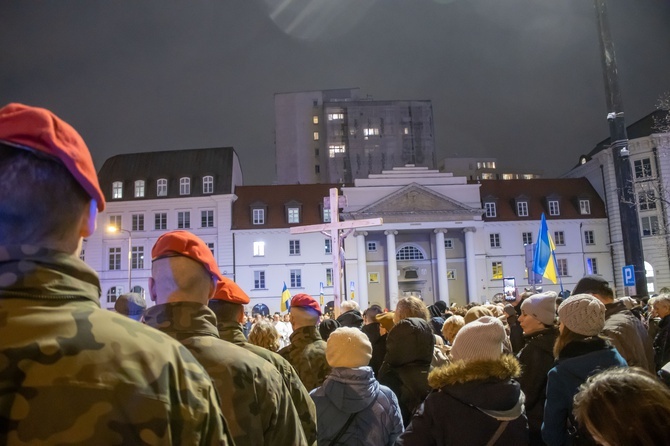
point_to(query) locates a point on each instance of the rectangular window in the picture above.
(329, 277)
(184, 186)
(296, 278)
(138, 222)
(207, 184)
(372, 246)
(210, 245)
(448, 243)
(522, 209)
(137, 260)
(183, 220)
(259, 280)
(589, 238)
(646, 200)
(139, 188)
(294, 247)
(494, 239)
(592, 265)
(315, 119)
(258, 216)
(370, 132)
(207, 219)
(559, 238)
(584, 207)
(335, 116)
(82, 255)
(161, 187)
(642, 168)
(315, 135)
(335, 149)
(114, 258)
(650, 226)
(326, 215)
(115, 220)
(562, 265)
(117, 190)
(490, 209)
(496, 270)
(527, 238)
(160, 221)
(259, 249)
(553, 208)
(317, 168)
(328, 246)
(294, 215)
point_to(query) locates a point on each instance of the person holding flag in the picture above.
(544, 261)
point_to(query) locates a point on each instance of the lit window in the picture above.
(114, 258)
(139, 188)
(316, 136)
(137, 260)
(161, 187)
(335, 149)
(294, 247)
(160, 221)
(527, 238)
(497, 270)
(370, 132)
(294, 215)
(372, 246)
(183, 220)
(522, 209)
(329, 277)
(184, 186)
(259, 249)
(650, 226)
(335, 116)
(494, 240)
(592, 265)
(559, 238)
(642, 168)
(589, 238)
(553, 208)
(490, 209)
(258, 216)
(326, 215)
(115, 220)
(328, 246)
(405, 130)
(507, 176)
(296, 278)
(646, 200)
(315, 119)
(207, 184)
(584, 207)
(448, 243)
(562, 265)
(207, 219)
(488, 176)
(259, 280)
(138, 222)
(409, 253)
(117, 190)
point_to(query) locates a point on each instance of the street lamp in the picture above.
(113, 229)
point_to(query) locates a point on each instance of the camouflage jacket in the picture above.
(72, 373)
(255, 402)
(232, 332)
(307, 354)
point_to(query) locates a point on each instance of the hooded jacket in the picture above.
(351, 390)
(628, 335)
(576, 362)
(409, 352)
(469, 404)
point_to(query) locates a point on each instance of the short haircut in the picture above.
(662, 300)
(40, 200)
(181, 274)
(304, 316)
(264, 334)
(411, 307)
(348, 305)
(225, 311)
(451, 326)
(372, 311)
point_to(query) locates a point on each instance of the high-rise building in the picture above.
(337, 136)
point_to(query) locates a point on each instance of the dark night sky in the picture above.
(519, 80)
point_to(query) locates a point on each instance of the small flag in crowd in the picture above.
(544, 262)
(285, 298)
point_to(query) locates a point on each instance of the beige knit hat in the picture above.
(475, 313)
(348, 347)
(542, 307)
(582, 314)
(480, 340)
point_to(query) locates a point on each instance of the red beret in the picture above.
(305, 300)
(229, 291)
(40, 130)
(183, 243)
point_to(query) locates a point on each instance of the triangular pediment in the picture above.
(419, 202)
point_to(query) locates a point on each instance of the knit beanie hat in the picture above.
(348, 347)
(480, 340)
(327, 327)
(475, 313)
(542, 307)
(582, 314)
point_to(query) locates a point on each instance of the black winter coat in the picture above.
(662, 343)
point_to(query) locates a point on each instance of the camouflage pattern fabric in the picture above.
(72, 373)
(232, 332)
(255, 402)
(307, 354)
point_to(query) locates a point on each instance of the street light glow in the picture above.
(112, 228)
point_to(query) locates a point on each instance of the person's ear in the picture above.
(212, 289)
(89, 220)
(152, 289)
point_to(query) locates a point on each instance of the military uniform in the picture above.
(307, 354)
(72, 373)
(232, 332)
(256, 403)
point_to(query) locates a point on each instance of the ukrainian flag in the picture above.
(544, 262)
(285, 298)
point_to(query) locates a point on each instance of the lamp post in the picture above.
(113, 229)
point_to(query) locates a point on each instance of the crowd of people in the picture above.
(196, 368)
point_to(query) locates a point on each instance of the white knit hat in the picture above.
(348, 347)
(582, 314)
(542, 307)
(480, 340)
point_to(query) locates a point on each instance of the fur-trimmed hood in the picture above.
(461, 372)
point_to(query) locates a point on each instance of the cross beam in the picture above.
(333, 230)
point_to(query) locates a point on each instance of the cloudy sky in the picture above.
(519, 80)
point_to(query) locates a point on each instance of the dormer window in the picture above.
(584, 207)
(184, 186)
(117, 190)
(258, 216)
(208, 184)
(139, 189)
(161, 187)
(554, 208)
(490, 208)
(326, 215)
(293, 210)
(522, 208)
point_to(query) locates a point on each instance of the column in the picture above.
(442, 283)
(471, 266)
(391, 268)
(362, 270)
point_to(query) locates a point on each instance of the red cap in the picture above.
(307, 301)
(183, 243)
(229, 291)
(38, 129)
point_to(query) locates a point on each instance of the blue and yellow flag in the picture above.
(285, 298)
(544, 262)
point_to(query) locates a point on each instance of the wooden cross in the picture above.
(332, 230)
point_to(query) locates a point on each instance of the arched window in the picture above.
(112, 294)
(184, 186)
(208, 184)
(117, 190)
(139, 290)
(161, 187)
(139, 189)
(410, 252)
